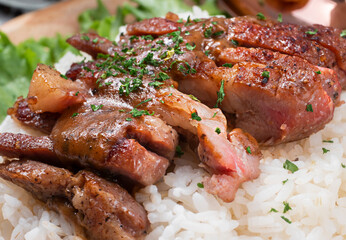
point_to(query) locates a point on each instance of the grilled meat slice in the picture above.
(27, 147)
(105, 140)
(21, 112)
(104, 209)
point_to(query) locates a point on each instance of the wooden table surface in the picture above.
(57, 18)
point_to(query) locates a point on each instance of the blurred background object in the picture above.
(13, 8)
(325, 12)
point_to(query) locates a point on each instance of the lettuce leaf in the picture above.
(17, 63)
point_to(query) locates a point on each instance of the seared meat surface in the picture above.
(103, 208)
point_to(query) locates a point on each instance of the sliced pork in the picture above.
(103, 208)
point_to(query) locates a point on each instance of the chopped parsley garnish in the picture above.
(200, 185)
(148, 37)
(218, 130)
(214, 115)
(318, 72)
(260, 16)
(138, 113)
(184, 70)
(343, 165)
(325, 150)
(279, 18)
(74, 115)
(265, 74)
(207, 52)
(235, 42)
(195, 116)
(196, 20)
(155, 84)
(178, 151)
(162, 76)
(129, 85)
(328, 141)
(85, 37)
(63, 76)
(286, 219)
(208, 32)
(311, 32)
(309, 108)
(187, 33)
(76, 94)
(193, 98)
(145, 101)
(128, 119)
(219, 33)
(133, 38)
(220, 94)
(287, 207)
(273, 210)
(343, 33)
(248, 150)
(180, 20)
(229, 65)
(149, 60)
(284, 181)
(96, 107)
(190, 47)
(290, 166)
(161, 101)
(95, 40)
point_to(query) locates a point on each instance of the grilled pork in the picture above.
(103, 208)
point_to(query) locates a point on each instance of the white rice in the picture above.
(178, 209)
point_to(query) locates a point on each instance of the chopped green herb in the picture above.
(220, 94)
(284, 181)
(200, 185)
(193, 98)
(235, 42)
(286, 219)
(138, 113)
(122, 110)
(260, 16)
(312, 32)
(265, 74)
(214, 23)
(74, 115)
(208, 32)
(328, 141)
(309, 108)
(128, 119)
(214, 115)
(133, 38)
(273, 210)
(229, 65)
(155, 84)
(178, 151)
(145, 101)
(207, 52)
(195, 116)
(325, 150)
(148, 37)
(290, 166)
(76, 94)
(318, 72)
(343, 165)
(287, 207)
(63, 76)
(180, 20)
(187, 33)
(162, 76)
(161, 101)
(219, 33)
(95, 40)
(343, 33)
(129, 85)
(96, 107)
(196, 20)
(279, 18)
(190, 47)
(218, 130)
(248, 150)
(85, 37)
